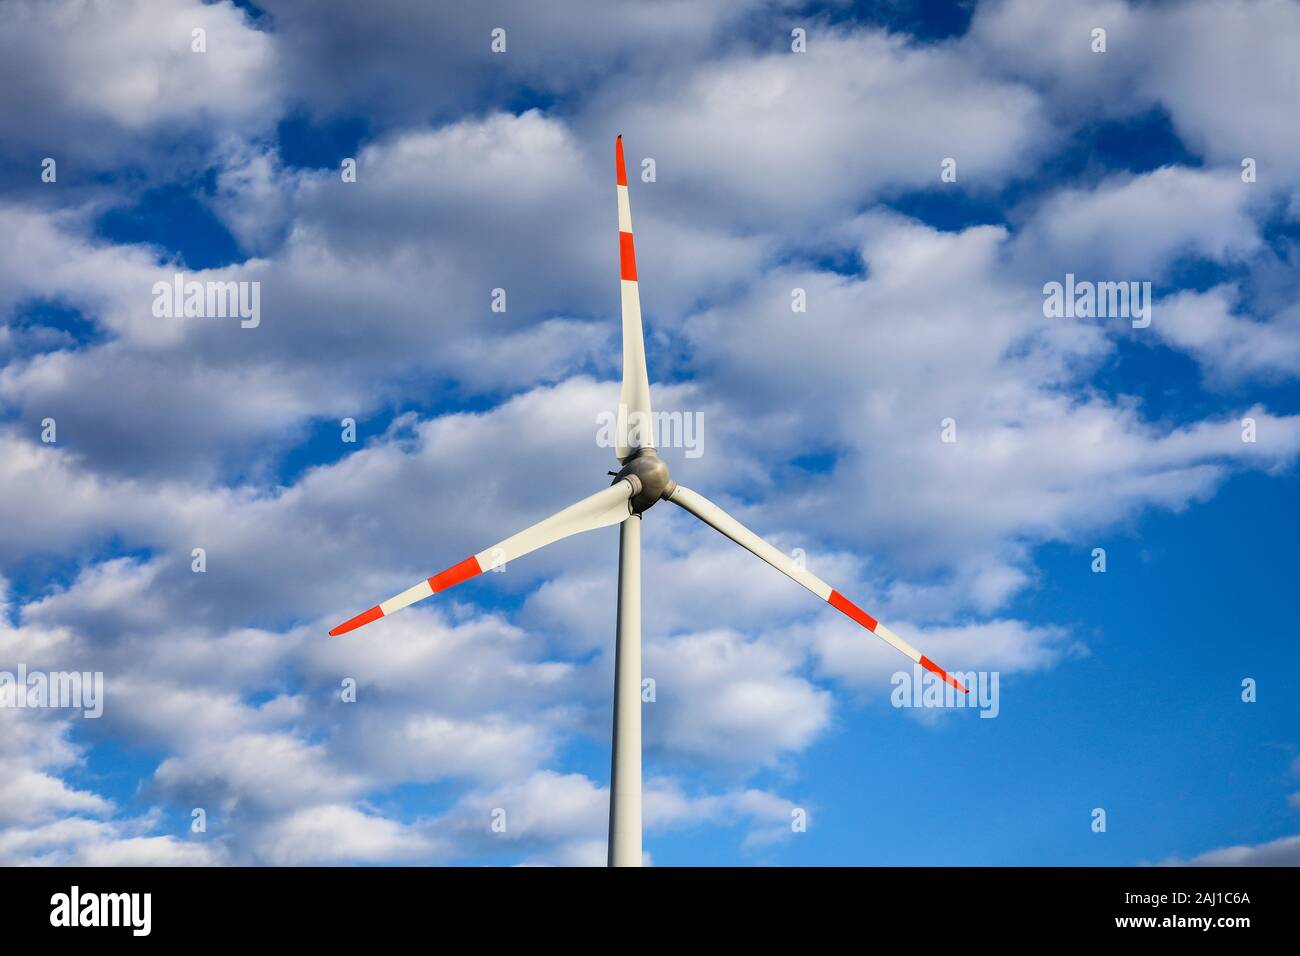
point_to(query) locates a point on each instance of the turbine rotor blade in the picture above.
(607, 507)
(634, 417)
(719, 520)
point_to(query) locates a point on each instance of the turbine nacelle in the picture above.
(648, 475)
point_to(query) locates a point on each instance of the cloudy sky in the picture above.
(1169, 158)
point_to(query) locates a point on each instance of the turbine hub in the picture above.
(650, 477)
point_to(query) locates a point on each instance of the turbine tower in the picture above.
(643, 481)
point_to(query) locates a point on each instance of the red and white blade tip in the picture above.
(851, 610)
(948, 678)
(352, 623)
(427, 588)
(620, 166)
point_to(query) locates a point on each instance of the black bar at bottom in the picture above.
(957, 905)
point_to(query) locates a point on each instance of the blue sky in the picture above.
(775, 171)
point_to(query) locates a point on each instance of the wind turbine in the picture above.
(643, 481)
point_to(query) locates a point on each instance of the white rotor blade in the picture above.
(634, 400)
(716, 518)
(607, 507)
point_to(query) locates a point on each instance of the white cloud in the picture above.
(845, 653)
(27, 795)
(76, 841)
(1136, 227)
(1230, 345)
(561, 818)
(419, 60)
(99, 84)
(942, 327)
(723, 699)
(338, 834)
(547, 816)
(1281, 852)
(782, 141)
(766, 816)
(262, 769)
(1221, 70)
